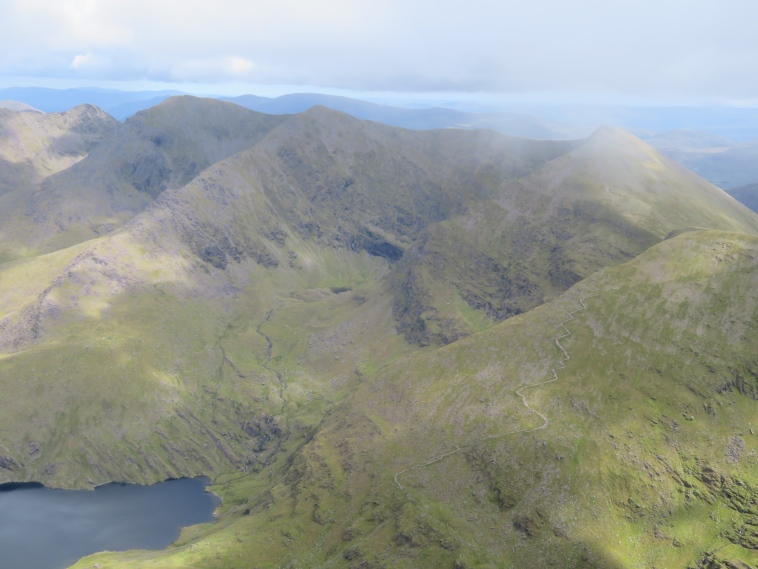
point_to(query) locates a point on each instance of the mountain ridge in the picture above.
(319, 303)
(162, 147)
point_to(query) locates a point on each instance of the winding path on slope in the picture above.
(545, 421)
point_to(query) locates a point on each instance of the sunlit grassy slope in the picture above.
(163, 147)
(312, 318)
(647, 455)
(128, 368)
(34, 146)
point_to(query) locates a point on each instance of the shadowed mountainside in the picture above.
(604, 202)
(310, 309)
(35, 145)
(163, 147)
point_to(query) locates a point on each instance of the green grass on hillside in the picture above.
(280, 321)
(647, 459)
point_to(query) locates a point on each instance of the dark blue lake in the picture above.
(42, 528)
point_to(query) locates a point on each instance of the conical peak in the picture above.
(611, 135)
(612, 143)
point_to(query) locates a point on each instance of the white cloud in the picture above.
(642, 47)
(89, 64)
(75, 23)
(229, 68)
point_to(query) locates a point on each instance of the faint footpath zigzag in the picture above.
(545, 421)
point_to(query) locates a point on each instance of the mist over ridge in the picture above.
(342, 320)
(415, 285)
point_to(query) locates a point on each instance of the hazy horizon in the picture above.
(481, 53)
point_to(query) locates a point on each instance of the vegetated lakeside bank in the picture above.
(115, 517)
(10, 486)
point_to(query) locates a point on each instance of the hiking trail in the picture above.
(545, 421)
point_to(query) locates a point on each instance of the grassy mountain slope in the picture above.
(349, 184)
(245, 325)
(133, 367)
(35, 145)
(155, 318)
(164, 147)
(648, 189)
(165, 319)
(641, 453)
(602, 203)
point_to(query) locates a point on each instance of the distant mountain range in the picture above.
(119, 104)
(123, 104)
(549, 121)
(747, 194)
(726, 163)
(513, 124)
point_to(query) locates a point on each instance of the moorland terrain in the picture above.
(388, 347)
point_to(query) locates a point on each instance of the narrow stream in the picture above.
(43, 528)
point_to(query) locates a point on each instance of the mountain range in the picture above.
(388, 347)
(700, 138)
(725, 163)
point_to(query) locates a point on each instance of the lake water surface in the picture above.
(42, 528)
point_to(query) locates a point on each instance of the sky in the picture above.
(663, 51)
